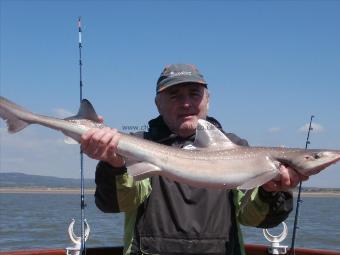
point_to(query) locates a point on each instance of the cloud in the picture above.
(274, 130)
(317, 128)
(35, 151)
(62, 113)
(29, 139)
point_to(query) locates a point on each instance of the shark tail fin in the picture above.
(11, 113)
(14, 125)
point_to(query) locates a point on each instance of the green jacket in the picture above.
(117, 192)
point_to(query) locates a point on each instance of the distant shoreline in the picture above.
(43, 190)
(32, 190)
(318, 194)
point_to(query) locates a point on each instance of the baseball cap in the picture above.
(178, 74)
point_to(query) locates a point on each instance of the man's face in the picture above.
(181, 106)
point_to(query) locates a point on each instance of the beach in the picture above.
(44, 190)
(90, 191)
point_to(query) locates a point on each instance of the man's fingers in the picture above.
(107, 145)
(96, 142)
(287, 179)
(271, 186)
(112, 145)
(100, 119)
(86, 138)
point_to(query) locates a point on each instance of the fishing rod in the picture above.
(82, 196)
(299, 201)
(80, 60)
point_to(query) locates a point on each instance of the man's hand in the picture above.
(101, 144)
(288, 179)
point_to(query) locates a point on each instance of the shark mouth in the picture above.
(319, 168)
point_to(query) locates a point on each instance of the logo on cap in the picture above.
(173, 74)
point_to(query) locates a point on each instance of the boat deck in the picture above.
(251, 249)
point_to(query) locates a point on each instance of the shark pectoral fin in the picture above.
(142, 170)
(209, 136)
(259, 180)
(70, 140)
(272, 167)
(246, 199)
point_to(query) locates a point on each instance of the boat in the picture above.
(251, 249)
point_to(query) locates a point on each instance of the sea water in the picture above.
(34, 221)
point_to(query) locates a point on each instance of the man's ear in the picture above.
(157, 102)
(208, 100)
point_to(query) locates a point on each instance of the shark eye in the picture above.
(316, 156)
(312, 157)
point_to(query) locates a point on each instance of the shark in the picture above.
(212, 161)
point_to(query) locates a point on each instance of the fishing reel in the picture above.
(75, 250)
(275, 240)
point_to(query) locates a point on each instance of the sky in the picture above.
(269, 65)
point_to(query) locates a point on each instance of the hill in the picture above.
(15, 179)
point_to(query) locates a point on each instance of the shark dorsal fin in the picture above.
(208, 136)
(86, 111)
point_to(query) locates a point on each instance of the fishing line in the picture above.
(82, 196)
(299, 201)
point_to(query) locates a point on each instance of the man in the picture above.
(164, 216)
